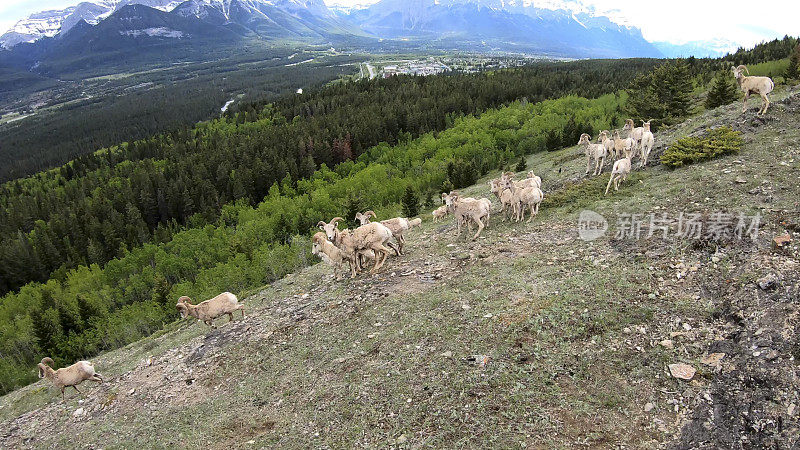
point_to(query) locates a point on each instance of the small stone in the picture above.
(447, 354)
(667, 343)
(651, 296)
(741, 180)
(780, 241)
(686, 326)
(488, 316)
(713, 359)
(715, 259)
(682, 371)
(790, 409)
(132, 391)
(768, 282)
(80, 412)
(649, 407)
(626, 330)
(402, 439)
(465, 306)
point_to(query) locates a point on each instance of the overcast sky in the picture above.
(663, 20)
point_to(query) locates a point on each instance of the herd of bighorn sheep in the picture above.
(369, 241)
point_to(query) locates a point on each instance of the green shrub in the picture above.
(718, 142)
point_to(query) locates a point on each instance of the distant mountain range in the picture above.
(700, 49)
(507, 25)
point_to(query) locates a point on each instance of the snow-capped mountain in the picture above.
(565, 28)
(50, 23)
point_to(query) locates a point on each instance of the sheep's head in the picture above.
(183, 310)
(628, 124)
(363, 219)
(47, 363)
(737, 71)
(616, 134)
(316, 243)
(585, 139)
(646, 125)
(531, 174)
(450, 199)
(331, 228)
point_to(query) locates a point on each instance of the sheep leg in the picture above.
(230, 317)
(588, 163)
(610, 180)
(76, 388)
(63, 398)
(746, 96)
(401, 242)
(766, 103)
(480, 228)
(398, 249)
(532, 213)
(379, 249)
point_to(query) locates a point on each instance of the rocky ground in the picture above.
(529, 337)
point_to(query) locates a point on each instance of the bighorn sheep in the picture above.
(503, 194)
(68, 376)
(468, 210)
(439, 213)
(608, 143)
(634, 133)
(329, 253)
(620, 172)
(363, 219)
(753, 85)
(647, 143)
(624, 147)
(398, 226)
(537, 180)
(530, 196)
(372, 236)
(593, 151)
(207, 311)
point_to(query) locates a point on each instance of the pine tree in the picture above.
(793, 71)
(410, 202)
(521, 165)
(723, 91)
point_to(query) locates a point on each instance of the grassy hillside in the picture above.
(528, 337)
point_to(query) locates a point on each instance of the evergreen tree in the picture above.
(662, 94)
(793, 71)
(522, 165)
(410, 202)
(723, 91)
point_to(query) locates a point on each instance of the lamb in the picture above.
(634, 133)
(439, 213)
(620, 172)
(504, 195)
(207, 311)
(398, 227)
(647, 143)
(468, 210)
(372, 236)
(623, 147)
(608, 143)
(328, 252)
(537, 180)
(68, 376)
(753, 85)
(530, 196)
(593, 151)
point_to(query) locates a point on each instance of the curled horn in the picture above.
(321, 224)
(47, 361)
(335, 220)
(370, 213)
(743, 67)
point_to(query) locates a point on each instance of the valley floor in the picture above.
(529, 337)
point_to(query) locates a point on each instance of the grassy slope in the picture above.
(570, 330)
